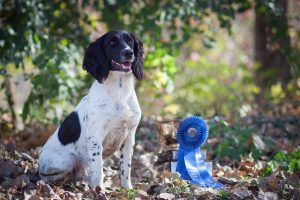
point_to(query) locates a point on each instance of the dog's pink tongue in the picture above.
(126, 64)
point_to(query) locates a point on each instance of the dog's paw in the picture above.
(95, 181)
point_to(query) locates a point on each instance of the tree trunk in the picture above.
(260, 47)
(271, 50)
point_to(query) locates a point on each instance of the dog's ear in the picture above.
(95, 61)
(137, 66)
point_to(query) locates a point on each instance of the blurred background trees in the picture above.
(203, 57)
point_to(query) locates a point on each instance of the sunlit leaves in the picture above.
(54, 34)
(47, 34)
(284, 161)
(235, 140)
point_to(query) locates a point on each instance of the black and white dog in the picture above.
(104, 121)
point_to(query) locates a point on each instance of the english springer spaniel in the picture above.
(104, 121)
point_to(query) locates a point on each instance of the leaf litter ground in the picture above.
(244, 178)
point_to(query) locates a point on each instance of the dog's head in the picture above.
(114, 51)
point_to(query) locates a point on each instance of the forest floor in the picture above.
(258, 158)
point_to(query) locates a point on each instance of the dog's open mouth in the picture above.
(124, 65)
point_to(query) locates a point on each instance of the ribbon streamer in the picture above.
(191, 135)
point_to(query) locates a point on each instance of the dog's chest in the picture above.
(114, 112)
(123, 120)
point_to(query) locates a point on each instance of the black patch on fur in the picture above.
(122, 156)
(69, 130)
(95, 61)
(137, 65)
(94, 154)
(85, 98)
(85, 118)
(122, 172)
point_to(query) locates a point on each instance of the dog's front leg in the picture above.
(127, 147)
(95, 174)
(125, 160)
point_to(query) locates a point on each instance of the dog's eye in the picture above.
(113, 42)
(129, 41)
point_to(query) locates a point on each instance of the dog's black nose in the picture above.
(128, 53)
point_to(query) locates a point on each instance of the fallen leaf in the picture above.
(7, 169)
(269, 183)
(296, 194)
(167, 196)
(27, 157)
(5, 185)
(229, 181)
(148, 174)
(267, 196)
(155, 189)
(259, 143)
(141, 195)
(247, 166)
(34, 197)
(67, 195)
(242, 193)
(46, 190)
(291, 128)
(21, 182)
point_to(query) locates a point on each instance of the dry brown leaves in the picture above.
(19, 178)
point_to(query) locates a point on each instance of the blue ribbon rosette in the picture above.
(191, 135)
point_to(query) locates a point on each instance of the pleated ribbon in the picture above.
(191, 135)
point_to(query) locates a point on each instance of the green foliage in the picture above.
(284, 161)
(49, 34)
(38, 29)
(127, 194)
(42, 39)
(235, 140)
(201, 85)
(225, 194)
(270, 168)
(179, 189)
(213, 88)
(45, 41)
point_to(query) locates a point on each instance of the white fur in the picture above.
(113, 114)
